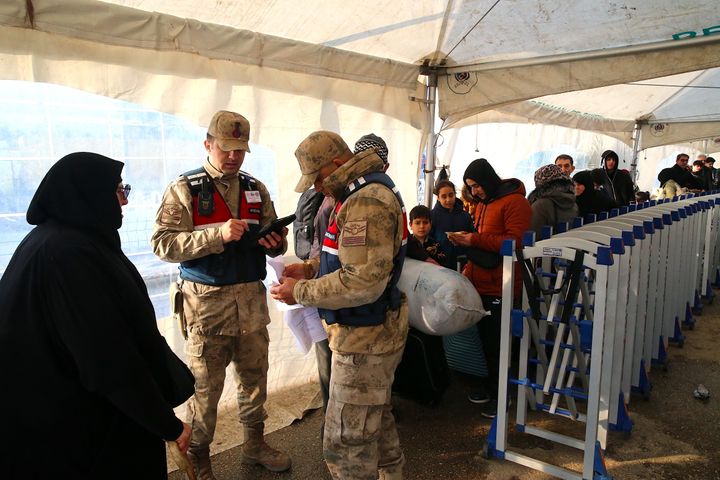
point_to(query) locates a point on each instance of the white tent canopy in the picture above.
(190, 57)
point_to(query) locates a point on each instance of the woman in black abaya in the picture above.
(89, 384)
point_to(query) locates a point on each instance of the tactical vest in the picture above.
(242, 260)
(371, 313)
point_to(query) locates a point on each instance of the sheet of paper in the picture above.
(303, 322)
(306, 327)
(275, 267)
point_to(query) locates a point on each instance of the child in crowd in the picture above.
(463, 350)
(421, 246)
(448, 215)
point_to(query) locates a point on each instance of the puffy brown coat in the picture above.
(506, 216)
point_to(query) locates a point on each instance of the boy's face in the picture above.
(446, 197)
(420, 227)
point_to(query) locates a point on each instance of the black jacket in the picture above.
(682, 176)
(619, 186)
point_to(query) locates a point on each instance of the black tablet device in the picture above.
(276, 226)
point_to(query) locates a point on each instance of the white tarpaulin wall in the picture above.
(293, 67)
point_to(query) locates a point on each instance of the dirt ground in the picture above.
(675, 436)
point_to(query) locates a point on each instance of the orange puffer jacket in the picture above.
(506, 216)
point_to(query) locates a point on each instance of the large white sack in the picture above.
(441, 300)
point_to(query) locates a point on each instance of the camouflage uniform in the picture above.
(224, 323)
(360, 435)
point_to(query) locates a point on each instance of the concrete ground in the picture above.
(675, 436)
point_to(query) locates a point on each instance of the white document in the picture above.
(275, 267)
(306, 327)
(303, 322)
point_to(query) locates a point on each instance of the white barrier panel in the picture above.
(602, 302)
(614, 350)
(575, 316)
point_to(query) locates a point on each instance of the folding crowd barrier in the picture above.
(601, 302)
(714, 250)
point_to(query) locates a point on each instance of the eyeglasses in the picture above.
(124, 188)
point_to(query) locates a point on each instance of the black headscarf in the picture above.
(79, 191)
(482, 173)
(591, 201)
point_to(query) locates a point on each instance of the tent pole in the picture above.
(636, 151)
(431, 144)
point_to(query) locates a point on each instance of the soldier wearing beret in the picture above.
(365, 315)
(208, 222)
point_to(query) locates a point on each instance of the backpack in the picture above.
(303, 228)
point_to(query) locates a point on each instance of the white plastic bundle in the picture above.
(441, 300)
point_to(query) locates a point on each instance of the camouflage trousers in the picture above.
(208, 357)
(360, 434)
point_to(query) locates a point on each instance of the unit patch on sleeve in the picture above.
(354, 233)
(171, 214)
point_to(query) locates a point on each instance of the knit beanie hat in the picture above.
(548, 173)
(372, 141)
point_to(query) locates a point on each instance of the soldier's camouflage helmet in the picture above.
(317, 150)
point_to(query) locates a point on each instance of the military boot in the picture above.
(392, 471)
(200, 461)
(256, 452)
(390, 475)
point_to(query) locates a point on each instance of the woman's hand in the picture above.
(462, 239)
(183, 441)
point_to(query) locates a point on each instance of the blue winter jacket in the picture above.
(455, 220)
